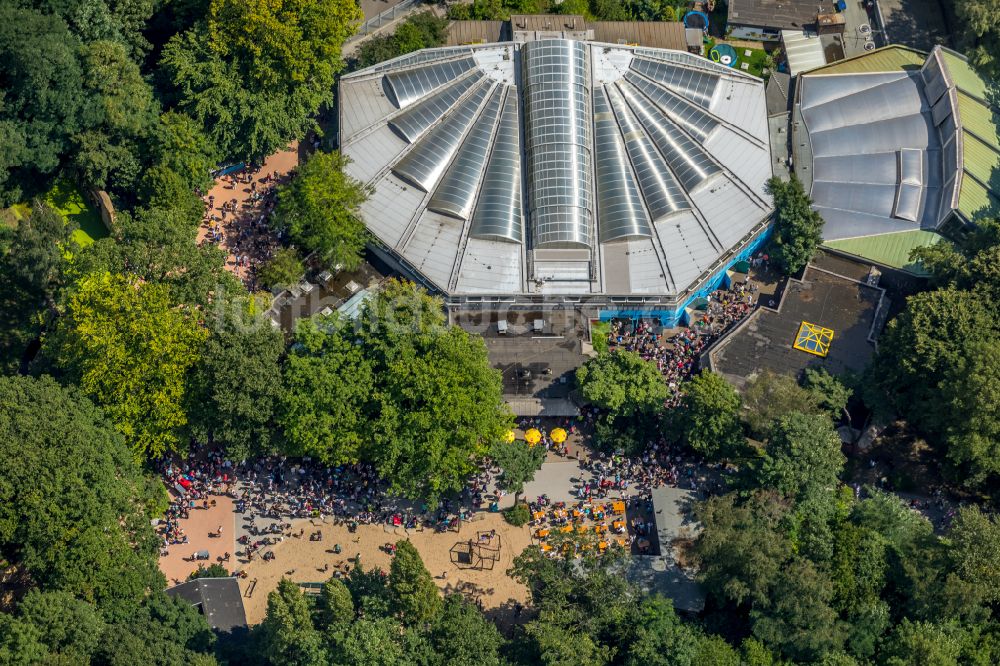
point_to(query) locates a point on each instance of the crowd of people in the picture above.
(676, 355)
(239, 223)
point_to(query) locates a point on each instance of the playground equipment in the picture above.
(813, 339)
(481, 553)
(696, 19)
(724, 54)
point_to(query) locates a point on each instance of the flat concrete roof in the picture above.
(661, 573)
(764, 340)
(780, 14)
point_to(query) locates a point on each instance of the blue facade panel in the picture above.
(671, 318)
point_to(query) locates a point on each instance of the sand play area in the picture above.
(305, 561)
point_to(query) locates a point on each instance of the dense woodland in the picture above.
(141, 345)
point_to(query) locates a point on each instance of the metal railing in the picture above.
(384, 18)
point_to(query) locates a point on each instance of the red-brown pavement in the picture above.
(197, 527)
(282, 163)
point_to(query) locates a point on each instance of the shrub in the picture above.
(517, 515)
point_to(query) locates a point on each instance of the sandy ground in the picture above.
(280, 163)
(197, 527)
(306, 561)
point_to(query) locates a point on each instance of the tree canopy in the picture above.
(71, 509)
(797, 227)
(518, 462)
(129, 349)
(420, 31)
(622, 382)
(802, 456)
(324, 409)
(415, 397)
(319, 210)
(979, 35)
(235, 386)
(32, 270)
(708, 418)
(253, 74)
(415, 596)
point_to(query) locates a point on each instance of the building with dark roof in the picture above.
(218, 599)
(554, 169)
(854, 310)
(530, 27)
(763, 20)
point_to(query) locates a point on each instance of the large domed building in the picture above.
(629, 178)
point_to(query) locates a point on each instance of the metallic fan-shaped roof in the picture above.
(428, 159)
(662, 192)
(457, 190)
(409, 85)
(618, 202)
(559, 167)
(557, 133)
(498, 211)
(416, 119)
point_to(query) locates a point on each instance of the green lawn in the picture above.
(756, 60)
(67, 198)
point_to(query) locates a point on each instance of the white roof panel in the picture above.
(680, 129)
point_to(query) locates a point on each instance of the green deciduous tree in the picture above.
(979, 34)
(129, 349)
(328, 386)
(461, 636)
(32, 269)
(161, 188)
(163, 631)
(121, 21)
(742, 547)
(283, 270)
(235, 387)
(623, 383)
(937, 366)
(319, 209)
(255, 73)
(440, 406)
(287, 635)
(830, 392)
(797, 227)
(179, 144)
(415, 596)
(334, 607)
(119, 117)
(71, 513)
(708, 418)
(797, 617)
(518, 463)
(372, 642)
(769, 396)
(157, 245)
(420, 31)
(54, 624)
(43, 99)
(921, 644)
(975, 551)
(802, 456)
(662, 639)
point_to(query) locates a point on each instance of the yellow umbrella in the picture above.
(558, 435)
(509, 437)
(533, 436)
